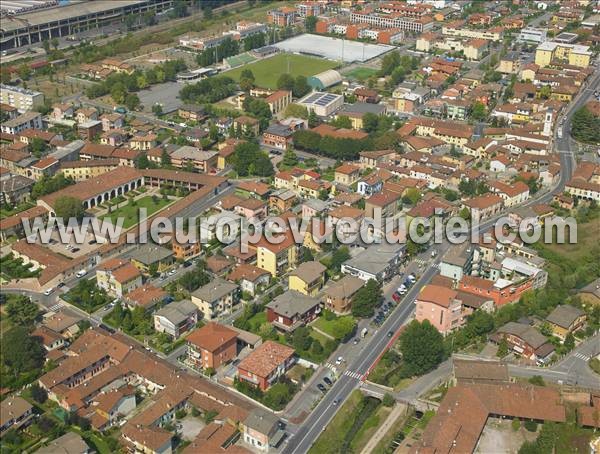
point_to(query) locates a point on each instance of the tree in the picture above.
(157, 110)
(545, 92)
(285, 82)
(21, 311)
(370, 122)
(38, 146)
(149, 18)
(313, 119)
(339, 256)
(248, 159)
(24, 72)
(502, 348)
(21, 352)
(585, 126)
(297, 111)
(412, 196)
(301, 339)
(537, 380)
(300, 87)
(38, 393)
(132, 101)
(422, 347)
(569, 342)
(68, 207)
(46, 46)
(342, 121)
(289, 159)
(165, 158)
(366, 299)
(478, 111)
(310, 24)
(388, 400)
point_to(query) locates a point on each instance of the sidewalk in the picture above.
(398, 410)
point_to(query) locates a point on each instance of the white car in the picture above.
(48, 291)
(339, 360)
(81, 273)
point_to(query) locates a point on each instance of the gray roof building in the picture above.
(361, 108)
(148, 254)
(528, 333)
(564, 315)
(215, 290)
(292, 304)
(178, 311)
(69, 443)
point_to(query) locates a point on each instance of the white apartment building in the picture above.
(29, 120)
(413, 25)
(532, 35)
(20, 98)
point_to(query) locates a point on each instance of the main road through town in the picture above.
(321, 415)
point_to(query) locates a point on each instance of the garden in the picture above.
(130, 212)
(14, 268)
(87, 296)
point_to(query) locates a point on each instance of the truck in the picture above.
(364, 332)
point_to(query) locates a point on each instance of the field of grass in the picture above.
(266, 72)
(130, 213)
(329, 326)
(361, 73)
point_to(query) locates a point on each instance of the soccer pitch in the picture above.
(267, 71)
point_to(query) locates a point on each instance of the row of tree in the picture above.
(336, 148)
(208, 90)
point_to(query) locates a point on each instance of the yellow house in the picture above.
(565, 319)
(573, 54)
(279, 258)
(346, 174)
(308, 278)
(118, 277)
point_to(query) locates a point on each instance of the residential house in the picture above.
(526, 341)
(211, 346)
(149, 256)
(216, 298)
(118, 277)
(260, 429)
(247, 125)
(276, 258)
(265, 365)
(112, 404)
(250, 278)
(338, 296)
(147, 296)
(278, 136)
(565, 319)
(512, 194)
(15, 412)
(484, 206)
(282, 200)
(346, 174)
(376, 158)
(441, 307)
(308, 278)
(176, 318)
(292, 309)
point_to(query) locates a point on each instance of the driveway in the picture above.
(191, 427)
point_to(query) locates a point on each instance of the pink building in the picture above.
(440, 306)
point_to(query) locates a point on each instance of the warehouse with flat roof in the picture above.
(322, 103)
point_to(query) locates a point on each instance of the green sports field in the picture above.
(267, 71)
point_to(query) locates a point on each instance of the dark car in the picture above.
(321, 387)
(60, 285)
(390, 333)
(328, 381)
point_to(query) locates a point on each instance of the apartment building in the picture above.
(420, 25)
(216, 298)
(21, 98)
(211, 346)
(552, 52)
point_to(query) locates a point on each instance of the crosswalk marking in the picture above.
(331, 366)
(421, 261)
(582, 356)
(56, 307)
(353, 374)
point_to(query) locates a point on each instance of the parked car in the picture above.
(81, 273)
(327, 381)
(321, 388)
(48, 291)
(339, 360)
(396, 296)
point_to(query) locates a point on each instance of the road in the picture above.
(319, 418)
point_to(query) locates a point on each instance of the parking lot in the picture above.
(166, 94)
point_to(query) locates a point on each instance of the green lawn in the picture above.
(267, 71)
(130, 213)
(361, 73)
(329, 326)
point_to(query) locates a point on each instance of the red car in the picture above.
(396, 297)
